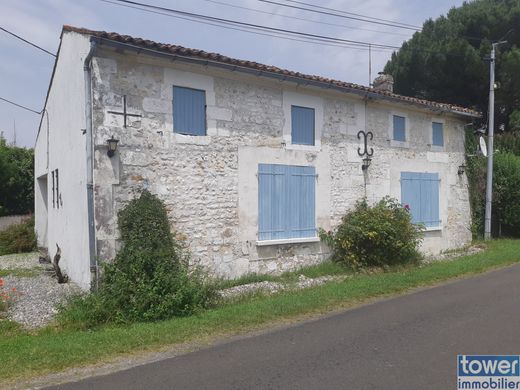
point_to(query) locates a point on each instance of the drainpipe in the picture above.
(94, 282)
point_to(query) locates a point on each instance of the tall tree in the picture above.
(446, 61)
(16, 179)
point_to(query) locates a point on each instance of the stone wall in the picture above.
(209, 183)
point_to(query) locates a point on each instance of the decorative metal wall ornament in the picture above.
(365, 154)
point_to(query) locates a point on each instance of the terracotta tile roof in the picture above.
(218, 58)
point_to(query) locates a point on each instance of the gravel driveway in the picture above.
(37, 292)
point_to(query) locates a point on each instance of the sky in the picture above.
(25, 71)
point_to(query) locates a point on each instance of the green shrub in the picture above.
(378, 235)
(506, 194)
(149, 279)
(18, 238)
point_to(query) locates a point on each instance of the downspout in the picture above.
(94, 280)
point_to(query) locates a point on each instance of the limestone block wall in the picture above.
(209, 182)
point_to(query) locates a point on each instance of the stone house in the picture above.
(250, 159)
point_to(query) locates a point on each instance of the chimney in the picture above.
(384, 82)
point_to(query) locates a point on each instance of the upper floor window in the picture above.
(286, 201)
(399, 129)
(437, 134)
(189, 111)
(302, 125)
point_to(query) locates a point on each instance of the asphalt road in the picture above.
(409, 342)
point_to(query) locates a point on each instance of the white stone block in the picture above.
(223, 114)
(157, 105)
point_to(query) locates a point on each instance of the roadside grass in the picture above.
(24, 354)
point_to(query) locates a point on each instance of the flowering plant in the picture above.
(6, 297)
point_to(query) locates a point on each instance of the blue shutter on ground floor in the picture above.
(420, 191)
(286, 201)
(189, 111)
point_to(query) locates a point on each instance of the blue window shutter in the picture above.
(286, 201)
(411, 194)
(302, 125)
(399, 128)
(271, 201)
(189, 111)
(437, 134)
(302, 201)
(430, 199)
(420, 191)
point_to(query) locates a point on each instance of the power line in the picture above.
(26, 41)
(274, 35)
(352, 13)
(392, 24)
(304, 19)
(19, 105)
(307, 36)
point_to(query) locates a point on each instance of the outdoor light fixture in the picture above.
(112, 146)
(462, 169)
(366, 163)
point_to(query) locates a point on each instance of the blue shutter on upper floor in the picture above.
(399, 128)
(437, 134)
(189, 111)
(302, 125)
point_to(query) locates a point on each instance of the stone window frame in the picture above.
(181, 78)
(292, 98)
(437, 148)
(394, 143)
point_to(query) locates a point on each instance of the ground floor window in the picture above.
(286, 201)
(420, 192)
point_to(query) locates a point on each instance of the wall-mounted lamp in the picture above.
(462, 169)
(366, 163)
(112, 146)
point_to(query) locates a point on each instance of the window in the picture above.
(189, 111)
(286, 202)
(420, 191)
(437, 134)
(57, 188)
(399, 128)
(302, 122)
(53, 189)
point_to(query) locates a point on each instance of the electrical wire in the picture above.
(351, 13)
(304, 19)
(393, 24)
(307, 36)
(20, 106)
(26, 41)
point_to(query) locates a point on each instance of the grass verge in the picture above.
(49, 350)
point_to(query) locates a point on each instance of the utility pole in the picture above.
(491, 129)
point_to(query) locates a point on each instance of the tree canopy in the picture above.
(16, 179)
(446, 61)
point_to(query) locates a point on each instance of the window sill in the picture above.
(433, 229)
(307, 148)
(399, 144)
(436, 148)
(288, 241)
(191, 139)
